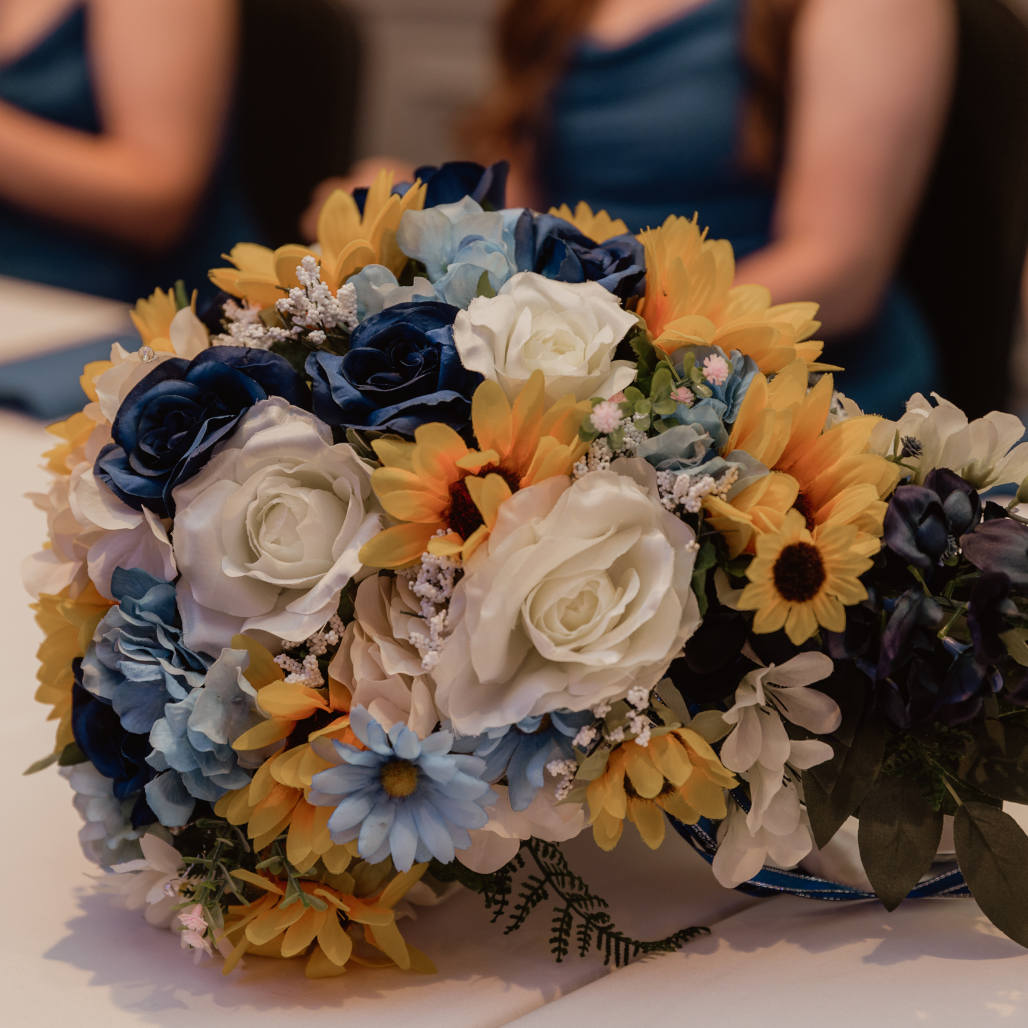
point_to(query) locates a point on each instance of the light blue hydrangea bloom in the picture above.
(522, 751)
(138, 660)
(404, 797)
(378, 288)
(192, 743)
(457, 243)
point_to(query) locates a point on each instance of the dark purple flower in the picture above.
(1000, 545)
(988, 608)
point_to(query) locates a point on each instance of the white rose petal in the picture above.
(567, 330)
(583, 591)
(267, 534)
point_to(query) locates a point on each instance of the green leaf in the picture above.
(485, 287)
(834, 790)
(992, 851)
(71, 754)
(997, 760)
(43, 762)
(898, 837)
(181, 299)
(1016, 642)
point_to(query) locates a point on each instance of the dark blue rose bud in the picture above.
(554, 248)
(402, 370)
(169, 424)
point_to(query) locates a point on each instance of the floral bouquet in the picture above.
(470, 529)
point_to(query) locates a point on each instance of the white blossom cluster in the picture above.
(310, 310)
(306, 671)
(600, 453)
(433, 584)
(686, 493)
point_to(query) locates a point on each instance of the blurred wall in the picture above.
(425, 61)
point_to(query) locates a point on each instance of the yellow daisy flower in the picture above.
(802, 579)
(446, 495)
(677, 773)
(598, 226)
(326, 926)
(68, 624)
(347, 241)
(691, 300)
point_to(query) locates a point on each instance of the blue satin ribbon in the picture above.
(772, 880)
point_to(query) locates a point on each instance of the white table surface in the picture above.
(36, 318)
(70, 957)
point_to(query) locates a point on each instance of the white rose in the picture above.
(583, 591)
(268, 533)
(377, 661)
(567, 330)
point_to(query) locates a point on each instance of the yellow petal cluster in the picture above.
(691, 300)
(446, 495)
(331, 924)
(599, 226)
(676, 773)
(828, 475)
(275, 800)
(68, 624)
(347, 241)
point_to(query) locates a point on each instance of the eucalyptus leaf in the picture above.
(992, 851)
(898, 837)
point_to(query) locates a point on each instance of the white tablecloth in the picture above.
(70, 957)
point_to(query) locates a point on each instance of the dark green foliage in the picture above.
(992, 851)
(834, 790)
(898, 836)
(580, 918)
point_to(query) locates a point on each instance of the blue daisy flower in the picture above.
(404, 797)
(522, 751)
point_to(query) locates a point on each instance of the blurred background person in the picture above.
(804, 131)
(113, 118)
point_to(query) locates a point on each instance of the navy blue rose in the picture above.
(554, 248)
(402, 370)
(115, 753)
(169, 423)
(452, 181)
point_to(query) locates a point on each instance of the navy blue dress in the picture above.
(652, 128)
(53, 81)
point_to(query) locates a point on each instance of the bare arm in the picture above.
(163, 73)
(870, 86)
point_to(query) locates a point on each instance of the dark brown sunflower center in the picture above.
(399, 778)
(804, 506)
(799, 572)
(463, 516)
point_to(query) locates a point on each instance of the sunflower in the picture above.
(68, 624)
(598, 226)
(803, 579)
(446, 495)
(325, 922)
(275, 800)
(677, 773)
(691, 301)
(827, 475)
(347, 241)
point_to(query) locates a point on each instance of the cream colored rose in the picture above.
(567, 330)
(583, 591)
(377, 661)
(267, 534)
